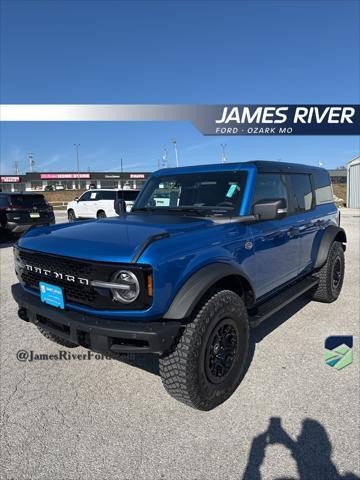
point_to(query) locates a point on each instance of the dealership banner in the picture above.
(208, 119)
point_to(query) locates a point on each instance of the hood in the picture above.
(115, 239)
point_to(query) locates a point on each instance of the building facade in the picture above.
(72, 181)
(353, 183)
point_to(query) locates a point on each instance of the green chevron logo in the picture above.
(338, 351)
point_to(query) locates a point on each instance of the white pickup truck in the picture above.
(99, 203)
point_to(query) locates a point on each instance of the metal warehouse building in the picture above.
(353, 183)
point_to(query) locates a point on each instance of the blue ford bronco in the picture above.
(206, 253)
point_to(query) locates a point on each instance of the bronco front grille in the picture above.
(78, 291)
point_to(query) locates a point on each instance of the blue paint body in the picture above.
(272, 262)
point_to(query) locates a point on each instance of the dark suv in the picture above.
(206, 253)
(20, 211)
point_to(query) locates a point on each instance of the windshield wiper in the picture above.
(143, 209)
(200, 211)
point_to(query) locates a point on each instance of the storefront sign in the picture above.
(137, 175)
(60, 176)
(10, 179)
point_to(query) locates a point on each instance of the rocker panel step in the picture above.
(269, 307)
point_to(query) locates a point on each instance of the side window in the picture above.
(85, 197)
(270, 186)
(4, 201)
(106, 195)
(323, 190)
(302, 195)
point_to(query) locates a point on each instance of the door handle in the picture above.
(292, 232)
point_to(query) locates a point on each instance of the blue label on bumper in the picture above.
(52, 295)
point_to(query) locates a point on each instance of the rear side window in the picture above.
(27, 201)
(323, 190)
(302, 195)
(4, 201)
(270, 186)
(105, 195)
(129, 196)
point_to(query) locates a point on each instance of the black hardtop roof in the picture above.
(268, 166)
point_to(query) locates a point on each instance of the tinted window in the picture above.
(270, 186)
(27, 201)
(105, 195)
(3, 201)
(85, 197)
(129, 196)
(323, 190)
(301, 192)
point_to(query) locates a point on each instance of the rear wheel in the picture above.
(56, 339)
(101, 214)
(206, 365)
(71, 216)
(330, 275)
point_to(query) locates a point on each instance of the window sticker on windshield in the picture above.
(231, 191)
(93, 195)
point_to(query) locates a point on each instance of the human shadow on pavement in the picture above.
(311, 451)
(150, 362)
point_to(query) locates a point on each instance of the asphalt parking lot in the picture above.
(292, 417)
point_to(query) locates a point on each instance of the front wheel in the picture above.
(101, 214)
(330, 275)
(206, 365)
(71, 216)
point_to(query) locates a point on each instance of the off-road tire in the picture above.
(328, 290)
(56, 339)
(71, 216)
(184, 371)
(101, 214)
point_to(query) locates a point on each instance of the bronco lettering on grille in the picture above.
(57, 275)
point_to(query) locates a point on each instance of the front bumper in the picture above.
(98, 334)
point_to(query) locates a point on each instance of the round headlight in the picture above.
(129, 288)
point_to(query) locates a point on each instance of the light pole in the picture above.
(31, 161)
(165, 158)
(176, 151)
(77, 145)
(223, 158)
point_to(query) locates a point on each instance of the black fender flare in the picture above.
(197, 285)
(331, 234)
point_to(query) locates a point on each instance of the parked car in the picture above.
(236, 243)
(20, 211)
(99, 203)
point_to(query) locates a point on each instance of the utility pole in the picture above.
(223, 157)
(176, 152)
(77, 145)
(31, 161)
(165, 158)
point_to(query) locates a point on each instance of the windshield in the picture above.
(206, 193)
(27, 201)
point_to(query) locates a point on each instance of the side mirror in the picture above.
(76, 199)
(270, 209)
(120, 206)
